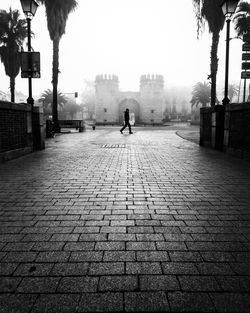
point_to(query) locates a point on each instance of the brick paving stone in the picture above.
(11, 238)
(65, 237)
(93, 237)
(209, 268)
(118, 256)
(190, 302)
(146, 302)
(156, 221)
(36, 237)
(152, 256)
(185, 256)
(141, 229)
(217, 256)
(33, 269)
(66, 269)
(48, 246)
(171, 245)
(158, 283)
(59, 230)
(9, 284)
(106, 268)
(17, 302)
(123, 223)
(18, 246)
(143, 268)
(101, 302)
(19, 256)
(87, 229)
(78, 284)
(179, 268)
(118, 283)
(231, 302)
(86, 256)
(7, 268)
(241, 268)
(114, 245)
(38, 285)
(177, 237)
(121, 237)
(52, 303)
(143, 245)
(234, 283)
(113, 229)
(241, 256)
(149, 237)
(79, 246)
(198, 283)
(53, 256)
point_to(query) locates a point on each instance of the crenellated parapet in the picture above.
(151, 83)
(155, 78)
(106, 78)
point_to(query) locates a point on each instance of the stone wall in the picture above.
(15, 127)
(107, 95)
(237, 130)
(16, 136)
(152, 99)
(227, 129)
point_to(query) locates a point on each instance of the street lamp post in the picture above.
(29, 9)
(228, 8)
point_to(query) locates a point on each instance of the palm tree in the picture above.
(13, 32)
(242, 25)
(57, 12)
(242, 19)
(47, 100)
(201, 94)
(233, 90)
(210, 11)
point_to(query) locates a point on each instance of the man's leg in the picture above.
(125, 125)
(129, 126)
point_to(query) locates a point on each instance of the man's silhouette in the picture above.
(126, 119)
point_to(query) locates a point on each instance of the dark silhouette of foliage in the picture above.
(233, 90)
(210, 12)
(47, 100)
(242, 19)
(201, 94)
(57, 12)
(13, 32)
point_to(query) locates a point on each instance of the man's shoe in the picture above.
(131, 132)
(121, 132)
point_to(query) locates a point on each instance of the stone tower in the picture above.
(107, 95)
(152, 98)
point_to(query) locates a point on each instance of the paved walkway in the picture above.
(101, 221)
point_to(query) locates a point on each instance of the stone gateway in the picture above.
(145, 106)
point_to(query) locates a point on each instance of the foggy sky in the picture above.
(127, 38)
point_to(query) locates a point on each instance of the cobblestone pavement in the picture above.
(101, 221)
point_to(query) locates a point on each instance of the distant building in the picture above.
(4, 96)
(145, 106)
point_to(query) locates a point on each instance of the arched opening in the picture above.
(134, 110)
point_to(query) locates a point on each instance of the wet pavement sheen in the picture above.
(100, 221)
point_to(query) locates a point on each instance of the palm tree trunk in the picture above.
(214, 66)
(12, 88)
(55, 71)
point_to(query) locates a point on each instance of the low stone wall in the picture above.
(16, 136)
(227, 129)
(237, 130)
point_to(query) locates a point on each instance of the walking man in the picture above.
(126, 119)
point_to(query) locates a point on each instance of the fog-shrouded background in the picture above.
(127, 38)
